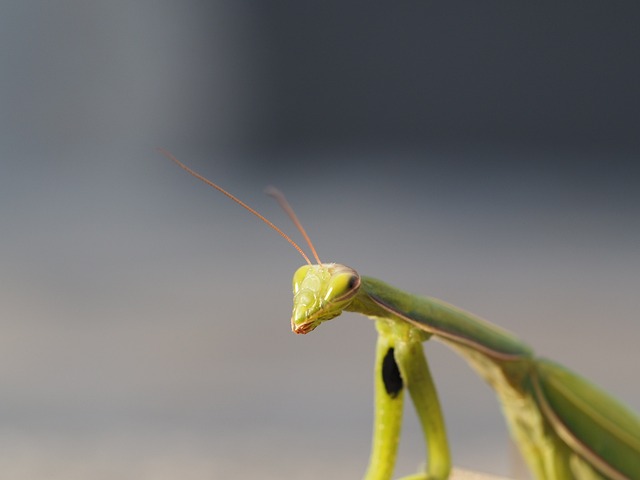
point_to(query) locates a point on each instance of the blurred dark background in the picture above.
(480, 152)
(466, 75)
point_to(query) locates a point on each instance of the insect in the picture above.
(565, 427)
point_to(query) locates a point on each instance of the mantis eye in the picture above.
(299, 276)
(342, 285)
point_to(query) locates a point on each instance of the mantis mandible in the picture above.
(565, 427)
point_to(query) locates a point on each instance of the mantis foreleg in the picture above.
(400, 363)
(389, 396)
(415, 371)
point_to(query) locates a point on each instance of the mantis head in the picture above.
(320, 293)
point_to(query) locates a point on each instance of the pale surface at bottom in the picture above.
(459, 474)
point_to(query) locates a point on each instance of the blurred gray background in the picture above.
(485, 153)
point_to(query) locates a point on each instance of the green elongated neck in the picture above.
(497, 355)
(450, 324)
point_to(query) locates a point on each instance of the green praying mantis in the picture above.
(565, 427)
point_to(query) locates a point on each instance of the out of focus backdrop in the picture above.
(481, 152)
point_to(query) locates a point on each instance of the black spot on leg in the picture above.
(391, 375)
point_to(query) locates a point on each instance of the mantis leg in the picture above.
(415, 372)
(400, 362)
(388, 409)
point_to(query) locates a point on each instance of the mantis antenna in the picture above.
(282, 201)
(279, 196)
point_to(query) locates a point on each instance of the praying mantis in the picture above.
(565, 427)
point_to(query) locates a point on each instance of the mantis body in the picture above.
(565, 427)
